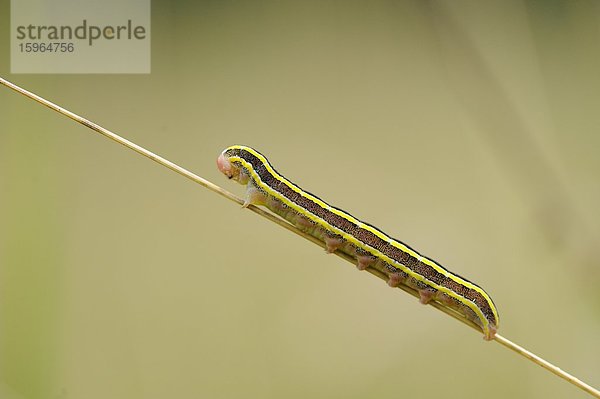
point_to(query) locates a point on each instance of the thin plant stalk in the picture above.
(273, 218)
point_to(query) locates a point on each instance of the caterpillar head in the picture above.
(231, 169)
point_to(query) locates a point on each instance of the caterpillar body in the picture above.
(370, 247)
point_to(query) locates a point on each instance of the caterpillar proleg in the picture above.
(370, 247)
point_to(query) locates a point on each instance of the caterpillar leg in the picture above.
(332, 243)
(490, 334)
(363, 258)
(395, 279)
(426, 295)
(395, 276)
(254, 197)
(364, 261)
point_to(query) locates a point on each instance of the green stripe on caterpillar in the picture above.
(368, 245)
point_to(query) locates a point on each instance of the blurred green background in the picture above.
(468, 130)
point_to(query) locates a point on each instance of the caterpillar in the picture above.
(371, 247)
